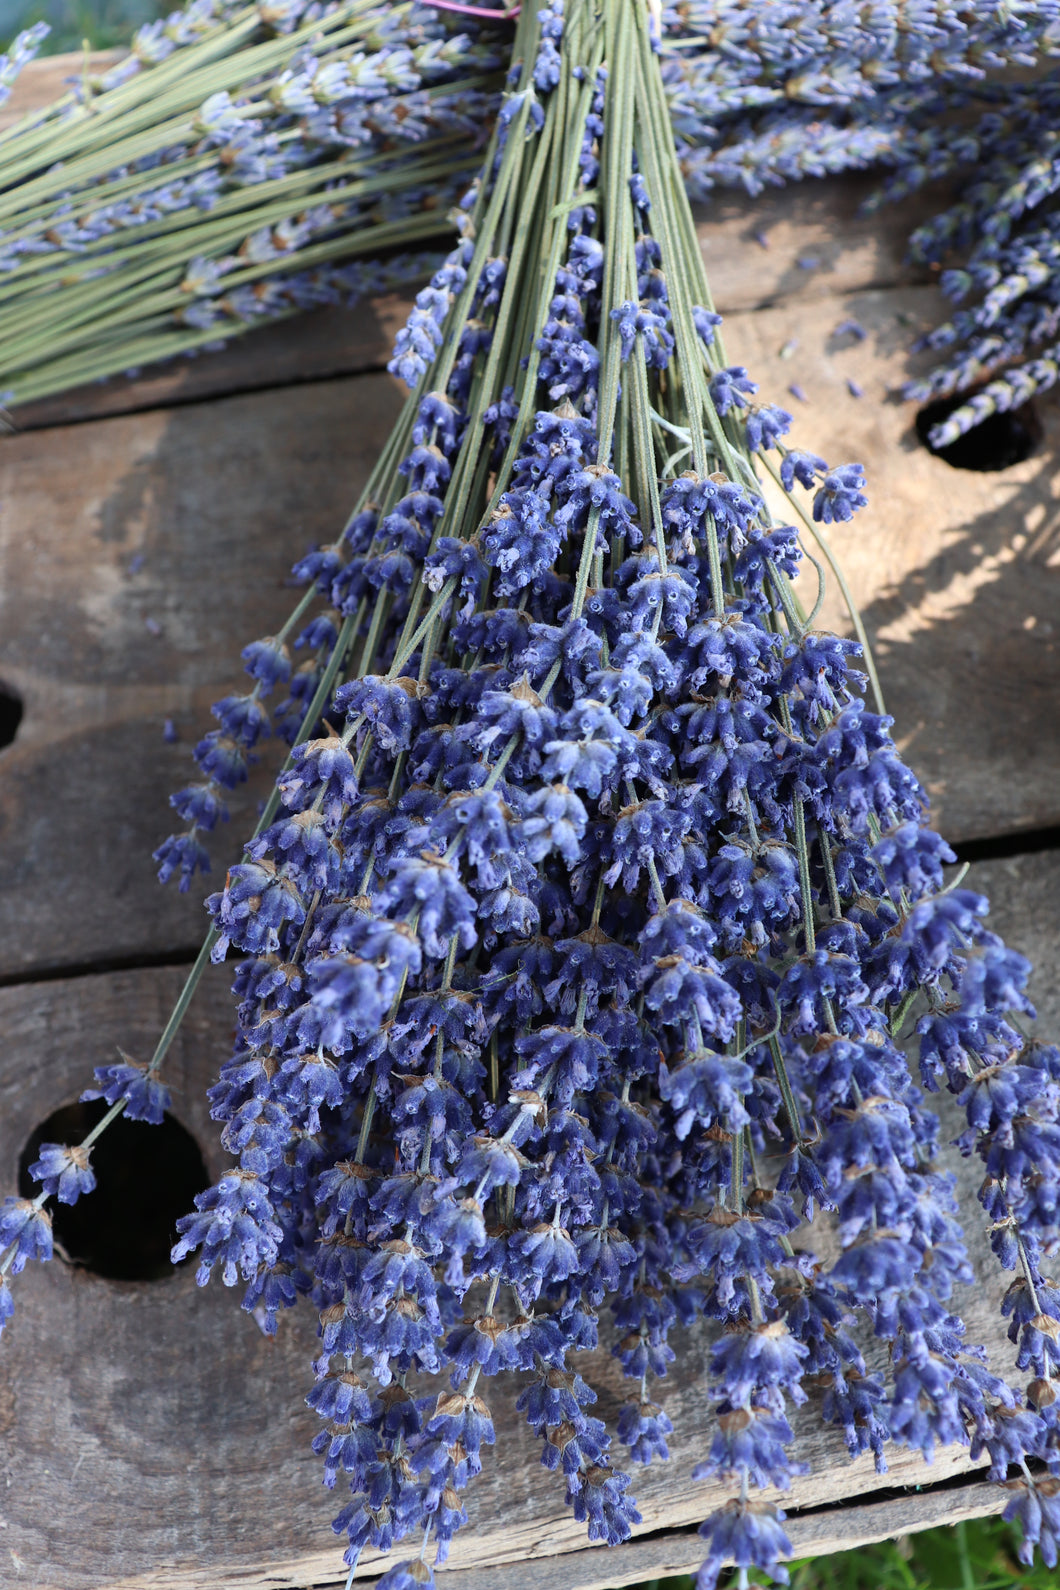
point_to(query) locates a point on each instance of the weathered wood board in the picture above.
(184, 522)
(812, 1534)
(958, 575)
(152, 1437)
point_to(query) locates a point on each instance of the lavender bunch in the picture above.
(1000, 345)
(594, 912)
(220, 187)
(926, 124)
(775, 93)
(260, 145)
(818, 51)
(998, 240)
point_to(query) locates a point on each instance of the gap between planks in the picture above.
(812, 1534)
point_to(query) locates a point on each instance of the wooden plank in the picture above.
(818, 243)
(137, 556)
(172, 1452)
(813, 1534)
(818, 221)
(114, 1412)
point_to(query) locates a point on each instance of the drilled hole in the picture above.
(146, 1178)
(1000, 441)
(10, 715)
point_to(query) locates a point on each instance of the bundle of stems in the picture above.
(140, 215)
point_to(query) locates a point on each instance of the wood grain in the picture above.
(957, 574)
(152, 1426)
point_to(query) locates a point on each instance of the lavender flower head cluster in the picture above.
(593, 924)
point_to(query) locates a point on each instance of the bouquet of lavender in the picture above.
(234, 168)
(594, 913)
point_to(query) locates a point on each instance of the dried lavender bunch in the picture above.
(827, 53)
(215, 188)
(1005, 135)
(775, 93)
(591, 905)
(1007, 240)
(746, 86)
(1001, 345)
(1001, 224)
(796, 142)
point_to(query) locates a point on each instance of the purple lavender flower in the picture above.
(840, 496)
(1035, 1508)
(749, 1537)
(183, 853)
(26, 1230)
(64, 1173)
(235, 1227)
(731, 388)
(146, 1098)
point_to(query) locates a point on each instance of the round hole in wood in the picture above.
(10, 714)
(146, 1178)
(997, 443)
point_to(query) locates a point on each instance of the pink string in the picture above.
(474, 11)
